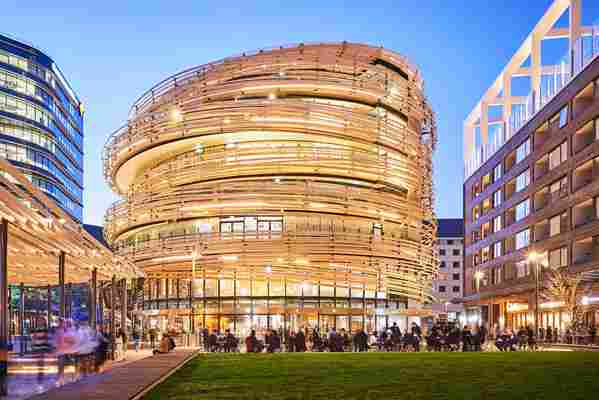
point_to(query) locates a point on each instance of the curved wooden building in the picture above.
(287, 187)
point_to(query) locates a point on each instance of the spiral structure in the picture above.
(296, 173)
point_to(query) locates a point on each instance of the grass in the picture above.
(410, 376)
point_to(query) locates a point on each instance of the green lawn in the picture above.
(383, 376)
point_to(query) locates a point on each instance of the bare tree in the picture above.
(563, 286)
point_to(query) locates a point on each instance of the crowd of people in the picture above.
(439, 337)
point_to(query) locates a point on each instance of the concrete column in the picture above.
(61, 291)
(3, 307)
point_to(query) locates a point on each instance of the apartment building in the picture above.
(532, 181)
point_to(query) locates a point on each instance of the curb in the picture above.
(157, 382)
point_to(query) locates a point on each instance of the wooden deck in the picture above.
(121, 383)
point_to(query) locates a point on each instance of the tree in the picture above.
(563, 286)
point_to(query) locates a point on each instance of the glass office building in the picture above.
(281, 189)
(41, 123)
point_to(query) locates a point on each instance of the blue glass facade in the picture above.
(41, 123)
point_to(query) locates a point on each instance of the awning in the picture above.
(39, 230)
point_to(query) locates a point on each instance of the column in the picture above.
(61, 291)
(69, 301)
(22, 318)
(49, 308)
(61, 311)
(507, 101)
(124, 305)
(535, 66)
(112, 316)
(3, 307)
(484, 123)
(93, 290)
(574, 31)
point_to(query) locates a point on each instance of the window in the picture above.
(497, 224)
(457, 264)
(523, 150)
(442, 265)
(456, 277)
(485, 254)
(497, 249)
(555, 224)
(449, 241)
(486, 180)
(487, 205)
(522, 269)
(522, 209)
(522, 239)
(559, 185)
(456, 289)
(441, 289)
(523, 180)
(563, 117)
(441, 252)
(377, 231)
(558, 257)
(497, 198)
(497, 172)
(558, 155)
(456, 252)
(475, 213)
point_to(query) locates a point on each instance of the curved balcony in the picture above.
(333, 141)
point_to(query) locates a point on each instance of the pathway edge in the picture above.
(164, 377)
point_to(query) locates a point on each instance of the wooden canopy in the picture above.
(38, 231)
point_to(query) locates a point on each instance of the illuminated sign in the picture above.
(516, 307)
(552, 304)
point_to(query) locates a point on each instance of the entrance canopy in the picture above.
(38, 231)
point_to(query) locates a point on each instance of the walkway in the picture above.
(123, 382)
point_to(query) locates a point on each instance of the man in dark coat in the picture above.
(300, 341)
(274, 343)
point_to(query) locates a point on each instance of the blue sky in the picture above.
(112, 51)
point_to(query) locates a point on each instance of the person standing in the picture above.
(274, 344)
(300, 341)
(153, 338)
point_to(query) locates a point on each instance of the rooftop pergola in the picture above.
(485, 133)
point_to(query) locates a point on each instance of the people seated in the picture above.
(167, 344)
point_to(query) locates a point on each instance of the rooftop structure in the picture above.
(486, 131)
